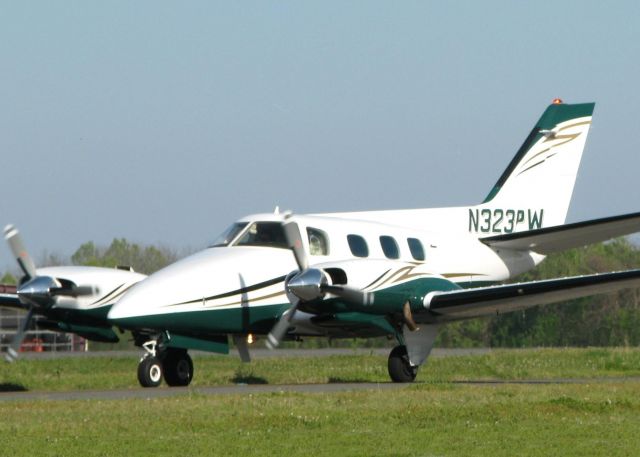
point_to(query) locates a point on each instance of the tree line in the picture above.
(599, 320)
(144, 259)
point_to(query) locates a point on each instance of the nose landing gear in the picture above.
(178, 367)
(149, 372)
(174, 364)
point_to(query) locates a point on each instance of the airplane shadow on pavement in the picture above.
(248, 379)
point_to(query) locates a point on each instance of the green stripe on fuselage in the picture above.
(261, 319)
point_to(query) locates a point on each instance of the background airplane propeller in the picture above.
(307, 284)
(35, 292)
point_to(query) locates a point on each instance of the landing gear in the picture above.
(178, 367)
(400, 369)
(150, 372)
(174, 364)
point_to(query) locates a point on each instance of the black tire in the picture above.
(150, 372)
(177, 367)
(400, 370)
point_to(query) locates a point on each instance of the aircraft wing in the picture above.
(483, 301)
(562, 237)
(9, 297)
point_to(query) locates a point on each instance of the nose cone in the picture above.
(215, 279)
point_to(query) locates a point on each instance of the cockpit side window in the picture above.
(318, 242)
(267, 234)
(229, 234)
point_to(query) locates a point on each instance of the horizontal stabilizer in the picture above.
(483, 301)
(562, 237)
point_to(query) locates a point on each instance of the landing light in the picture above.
(250, 338)
(557, 101)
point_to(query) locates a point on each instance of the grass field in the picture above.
(440, 415)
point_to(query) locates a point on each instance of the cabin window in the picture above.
(389, 247)
(318, 242)
(266, 234)
(416, 248)
(358, 246)
(229, 234)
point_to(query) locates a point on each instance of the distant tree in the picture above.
(87, 254)
(601, 320)
(8, 278)
(144, 259)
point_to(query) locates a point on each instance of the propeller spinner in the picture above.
(308, 284)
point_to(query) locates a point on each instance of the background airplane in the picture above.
(70, 298)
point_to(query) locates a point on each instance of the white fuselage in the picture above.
(250, 277)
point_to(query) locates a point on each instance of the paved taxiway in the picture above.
(246, 389)
(249, 389)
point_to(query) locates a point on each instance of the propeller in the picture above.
(36, 291)
(74, 291)
(294, 241)
(274, 338)
(308, 284)
(12, 351)
(16, 245)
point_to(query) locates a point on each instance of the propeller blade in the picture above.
(13, 350)
(350, 294)
(12, 235)
(277, 332)
(76, 291)
(294, 240)
(81, 291)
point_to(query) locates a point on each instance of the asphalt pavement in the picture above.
(249, 389)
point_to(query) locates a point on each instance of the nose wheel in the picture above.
(150, 372)
(174, 364)
(178, 367)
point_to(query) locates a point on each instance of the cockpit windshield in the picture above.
(229, 234)
(268, 234)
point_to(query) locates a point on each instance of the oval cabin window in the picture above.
(416, 248)
(358, 246)
(389, 247)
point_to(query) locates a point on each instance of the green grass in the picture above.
(428, 419)
(434, 417)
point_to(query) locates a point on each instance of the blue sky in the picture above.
(162, 122)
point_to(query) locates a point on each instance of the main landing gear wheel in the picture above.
(150, 372)
(400, 369)
(178, 367)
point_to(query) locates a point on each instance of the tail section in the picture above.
(535, 190)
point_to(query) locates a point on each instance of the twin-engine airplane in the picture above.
(70, 299)
(365, 274)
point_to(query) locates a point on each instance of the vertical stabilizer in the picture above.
(540, 179)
